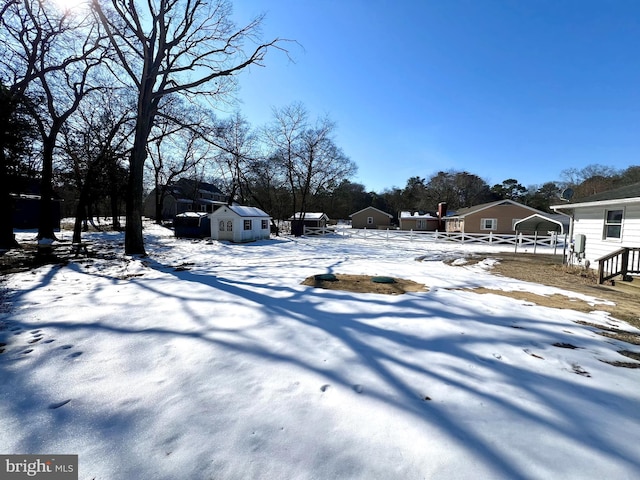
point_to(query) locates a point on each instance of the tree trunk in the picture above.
(45, 224)
(134, 240)
(114, 197)
(158, 202)
(81, 216)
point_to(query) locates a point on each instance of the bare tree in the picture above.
(282, 138)
(49, 53)
(175, 150)
(307, 155)
(167, 47)
(237, 156)
(94, 145)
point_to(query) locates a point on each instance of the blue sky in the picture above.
(500, 88)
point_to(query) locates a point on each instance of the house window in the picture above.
(203, 208)
(221, 226)
(265, 224)
(369, 220)
(229, 226)
(489, 224)
(613, 224)
(247, 224)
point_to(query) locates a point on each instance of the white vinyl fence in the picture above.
(517, 240)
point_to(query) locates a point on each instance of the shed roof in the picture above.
(243, 211)
(309, 216)
(542, 223)
(192, 214)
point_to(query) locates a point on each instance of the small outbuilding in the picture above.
(299, 220)
(192, 225)
(370, 217)
(544, 224)
(310, 219)
(418, 221)
(237, 223)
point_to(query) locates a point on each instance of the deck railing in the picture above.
(621, 262)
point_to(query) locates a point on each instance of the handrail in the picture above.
(623, 261)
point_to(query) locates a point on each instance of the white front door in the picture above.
(225, 229)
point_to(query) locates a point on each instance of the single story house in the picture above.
(495, 217)
(185, 195)
(238, 223)
(604, 223)
(370, 217)
(418, 221)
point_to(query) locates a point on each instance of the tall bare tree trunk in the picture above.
(45, 224)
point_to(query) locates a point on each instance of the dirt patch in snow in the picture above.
(364, 284)
(554, 301)
(548, 270)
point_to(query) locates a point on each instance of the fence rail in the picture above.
(518, 240)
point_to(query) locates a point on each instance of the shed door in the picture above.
(225, 229)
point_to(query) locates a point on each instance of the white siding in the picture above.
(239, 234)
(590, 222)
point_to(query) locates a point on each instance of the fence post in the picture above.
(490, 238)
(625, 263)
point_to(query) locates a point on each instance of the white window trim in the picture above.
(605, 224)
(494, 224)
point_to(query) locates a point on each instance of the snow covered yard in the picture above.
(210, 360)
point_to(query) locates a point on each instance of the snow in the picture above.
(210, 360)
(416, 215)
(244, 211)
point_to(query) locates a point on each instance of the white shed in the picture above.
(238, 223)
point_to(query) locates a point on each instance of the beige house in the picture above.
(370, 217)
(494, 217)
(418, 221)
